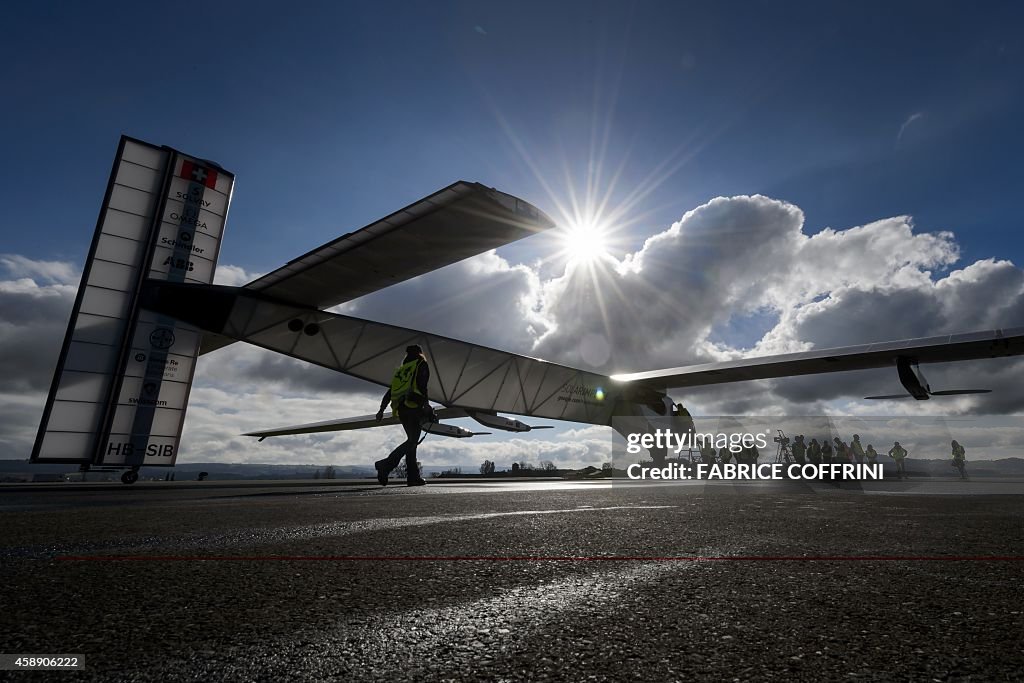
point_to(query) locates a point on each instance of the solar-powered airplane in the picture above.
(147, 308)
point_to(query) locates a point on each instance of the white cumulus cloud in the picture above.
(734, 263)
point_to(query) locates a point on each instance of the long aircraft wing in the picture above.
(948, 348)
(494, 384)
(455, 223)
(349, 424)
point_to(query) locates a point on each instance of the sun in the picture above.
(585, 241)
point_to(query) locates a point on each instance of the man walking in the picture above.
(959, 458)
(408, 399)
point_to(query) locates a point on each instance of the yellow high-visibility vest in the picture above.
(403, 386)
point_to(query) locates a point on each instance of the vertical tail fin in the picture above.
(122, 381)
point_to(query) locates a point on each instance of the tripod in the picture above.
(783, 453)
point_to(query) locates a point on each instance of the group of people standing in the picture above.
(827, 452)
(839, 451)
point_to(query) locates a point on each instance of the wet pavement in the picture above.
(514, 581)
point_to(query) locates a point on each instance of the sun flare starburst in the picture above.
(585, 241)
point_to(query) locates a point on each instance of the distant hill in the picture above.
(22, 470)
(1006, 467)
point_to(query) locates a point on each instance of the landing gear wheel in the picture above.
(129, 477)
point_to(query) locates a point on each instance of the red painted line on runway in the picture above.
(538, 558)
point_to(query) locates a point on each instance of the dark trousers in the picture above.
(410, 418)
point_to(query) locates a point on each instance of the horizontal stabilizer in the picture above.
(455, 223)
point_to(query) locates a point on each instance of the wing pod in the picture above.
(506, 424)
(913, 380)
(448, 430)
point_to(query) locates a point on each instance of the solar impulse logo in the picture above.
(580, 393)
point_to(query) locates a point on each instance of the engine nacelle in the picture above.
(498, 422)
(447, 430)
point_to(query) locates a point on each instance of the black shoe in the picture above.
(382, 473)
(416, 482)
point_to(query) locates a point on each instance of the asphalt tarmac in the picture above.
(518, 581)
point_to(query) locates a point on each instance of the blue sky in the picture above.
(332, 115)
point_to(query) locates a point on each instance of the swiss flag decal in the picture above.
(198, 174)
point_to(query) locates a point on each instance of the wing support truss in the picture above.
(480, 380)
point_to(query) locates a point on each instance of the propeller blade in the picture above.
(889, 397)
(959, 392)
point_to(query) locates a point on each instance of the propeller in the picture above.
(913, 380)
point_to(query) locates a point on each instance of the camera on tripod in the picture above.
(784, 454)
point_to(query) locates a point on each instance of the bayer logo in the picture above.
(161, 338)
